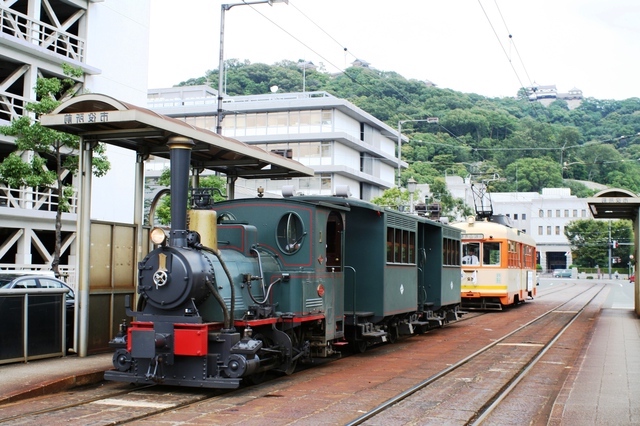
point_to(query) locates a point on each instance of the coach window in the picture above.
(401, 246)
(290, 233)
(491, 254)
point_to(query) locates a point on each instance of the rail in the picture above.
(34, 324)
(12, 106)
(41, 34)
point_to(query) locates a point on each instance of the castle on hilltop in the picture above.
(547, 94)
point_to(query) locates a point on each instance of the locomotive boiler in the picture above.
(223, 301)
(261, 284)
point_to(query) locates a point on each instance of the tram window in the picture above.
(470, 253)
(491, 253)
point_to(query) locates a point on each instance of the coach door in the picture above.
(335, 228)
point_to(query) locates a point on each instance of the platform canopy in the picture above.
(102, 118)
(614, 203)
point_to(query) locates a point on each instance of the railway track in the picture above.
(288, 400)
(570, 311)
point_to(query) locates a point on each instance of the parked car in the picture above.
(562, 273)
(9, 281)
(26, 281)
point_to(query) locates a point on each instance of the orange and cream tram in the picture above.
(498, 265)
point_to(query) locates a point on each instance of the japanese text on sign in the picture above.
(86, 117)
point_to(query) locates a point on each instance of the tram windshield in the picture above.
(470, 253)
(491, 253)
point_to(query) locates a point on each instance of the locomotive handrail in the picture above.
(355, 316)
(228, 323)
(253, 249)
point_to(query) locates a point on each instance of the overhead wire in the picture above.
(376, 90)
(511, 41)
(373, 90)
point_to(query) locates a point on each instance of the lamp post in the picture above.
(400, 123)
(411, 186)
(223, 9)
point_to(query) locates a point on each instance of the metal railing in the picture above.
(41, 34)
(34, 324)
(43, 199)
(12, 106)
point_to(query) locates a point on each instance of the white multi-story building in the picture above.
(543, 216)
(343, 144)
(37, 38)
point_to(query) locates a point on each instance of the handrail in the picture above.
(43, 199)
(41, 34)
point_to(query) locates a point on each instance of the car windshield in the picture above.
(5, 280)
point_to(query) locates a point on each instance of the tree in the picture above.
(46, 158)
(163, 211)
(393, 198)
(589, 241)
(534, 174)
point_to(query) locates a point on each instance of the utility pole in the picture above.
(610, 247)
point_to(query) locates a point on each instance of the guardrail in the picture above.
(43, 199)
(41, 34)
(36, 323)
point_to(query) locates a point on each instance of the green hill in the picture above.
(522, 141)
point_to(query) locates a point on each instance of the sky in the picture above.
(488, 47)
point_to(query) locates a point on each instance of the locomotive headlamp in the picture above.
(158, 236)
(320, 290)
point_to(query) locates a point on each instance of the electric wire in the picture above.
(373, 90)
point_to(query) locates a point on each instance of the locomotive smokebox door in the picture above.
(169, 278)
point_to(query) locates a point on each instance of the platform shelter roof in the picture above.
(614, 203)
(101, 118)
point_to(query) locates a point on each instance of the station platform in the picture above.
(602, 389)
(47, 376)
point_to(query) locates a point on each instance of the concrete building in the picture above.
(543, 216)
(37, 38)
(343, 144)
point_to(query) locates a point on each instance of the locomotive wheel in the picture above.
(393, 333)
(359, 346)
(256, 379)
(294, 344)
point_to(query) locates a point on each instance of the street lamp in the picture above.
(411, 186)
(400, 123)
(223, 9)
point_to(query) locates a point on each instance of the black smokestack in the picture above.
(180, 147)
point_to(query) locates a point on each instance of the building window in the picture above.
(548, 213)
(584, 213)
(515, 216)
(524, 216)
(541, 213)
(540, 232)
(557, 213)
(557, 230)
(548, 230)
(566, 213)
(575, 213)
